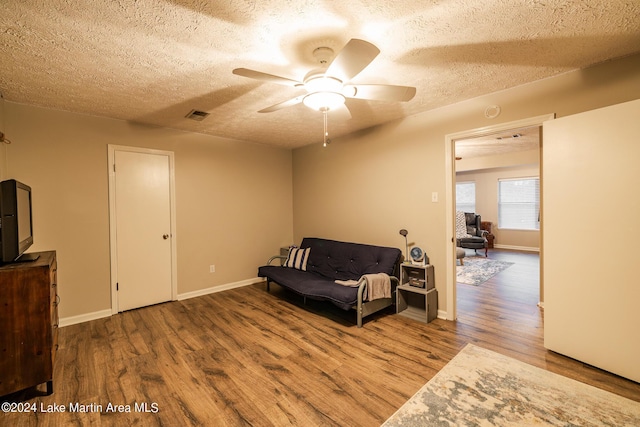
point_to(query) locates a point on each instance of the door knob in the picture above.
(165, 236)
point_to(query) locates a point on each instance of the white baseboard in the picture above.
(517, 248)
(87, 317)
(214, 289)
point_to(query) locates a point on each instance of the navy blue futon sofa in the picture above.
(313, 273)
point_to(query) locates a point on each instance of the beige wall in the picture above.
(486, 181)
(365, 187)
(233, 200)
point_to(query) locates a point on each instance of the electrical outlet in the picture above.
(212, 268)
(434, 196)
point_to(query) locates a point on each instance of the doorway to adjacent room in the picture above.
(450, 145)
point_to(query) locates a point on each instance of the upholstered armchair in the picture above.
(469, 233)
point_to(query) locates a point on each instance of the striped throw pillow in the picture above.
(298, 258)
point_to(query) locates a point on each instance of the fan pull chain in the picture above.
(326, 140)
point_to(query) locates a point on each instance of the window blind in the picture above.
(519, 203)
(466, 196)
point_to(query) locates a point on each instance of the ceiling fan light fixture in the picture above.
(322, 83)
(328, 86)
(324, 93)
(324, 101)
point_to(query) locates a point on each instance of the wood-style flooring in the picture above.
(248, 357)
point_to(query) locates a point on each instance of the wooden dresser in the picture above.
(28, 323)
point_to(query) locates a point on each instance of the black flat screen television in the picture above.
(16, 226)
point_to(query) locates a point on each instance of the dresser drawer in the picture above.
(54, 344)
(55, 301)
(53, 273)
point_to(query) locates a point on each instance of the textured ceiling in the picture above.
(153, 61)
(505, 142)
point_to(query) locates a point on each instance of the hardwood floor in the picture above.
(248, 357)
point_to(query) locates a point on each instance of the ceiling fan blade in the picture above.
(380, 92)
(340, 113)
(352, 59)
(281, 105)
(259, 75)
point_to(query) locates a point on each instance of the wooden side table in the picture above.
(416, 296)
(417, 303)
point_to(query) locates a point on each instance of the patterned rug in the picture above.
(478, 269)
(481, 388)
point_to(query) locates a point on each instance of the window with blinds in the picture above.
(466, 196)
(519, 203)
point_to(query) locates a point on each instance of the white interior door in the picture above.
(142, 213)
(590, 200)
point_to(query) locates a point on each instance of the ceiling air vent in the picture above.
(197, 115)
(515, 135)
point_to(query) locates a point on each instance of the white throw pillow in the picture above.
(298, 258)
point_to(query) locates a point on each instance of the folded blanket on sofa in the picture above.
(378, 285)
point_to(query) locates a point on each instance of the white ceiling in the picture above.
(153, 61)
(505, 142)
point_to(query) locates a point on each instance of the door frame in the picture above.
(450, 200)
(113, 244)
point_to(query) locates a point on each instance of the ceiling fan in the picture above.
(328, 86)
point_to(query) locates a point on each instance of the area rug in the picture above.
(479, 387)
(477, 270)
